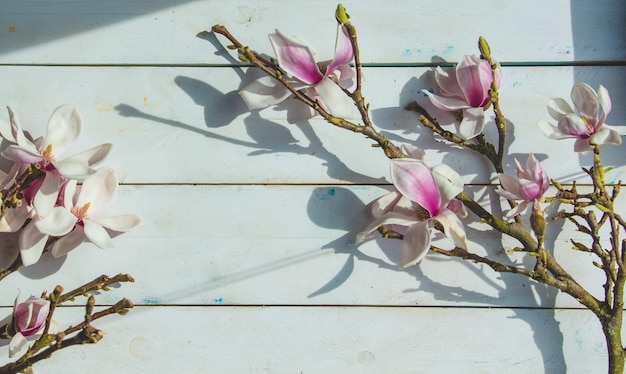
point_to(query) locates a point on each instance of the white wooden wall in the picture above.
(244, 262)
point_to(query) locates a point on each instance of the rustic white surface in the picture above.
(245, 262)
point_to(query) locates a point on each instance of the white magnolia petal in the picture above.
(263, 92)
(473, 123)
(582, 145)
(446, 103)
(5, 131)
(97, 234)
(416, 244)
(99, 190)
(17, 344)
(447, 82)
(519, 209)
(120, 223)
(48, 193)
(384, 204)
(453, 228)
(334, 99)
(14, 219)
(73, 169)
(511, 187)
(392, 218)
(606, 135)
(23, 155)
(93, 155)
(448, 182)
(68, 242)
(585, 100)
(605, 102)
(558, 108)
(64, 127)
(58, 222)
(31, 243)
(550, 131)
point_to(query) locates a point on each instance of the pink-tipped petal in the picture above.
(295, 58)
(415, 181)
(472, 80)
(415, 244)
(343, 50)
(64, 127)
(510, 186)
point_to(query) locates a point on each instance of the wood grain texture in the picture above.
(245, 261)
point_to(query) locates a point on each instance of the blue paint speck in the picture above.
(151, 300)
(218, 300)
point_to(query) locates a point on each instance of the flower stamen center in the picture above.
(80, 212)
(47, 153)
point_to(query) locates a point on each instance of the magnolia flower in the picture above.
(29, 317)
(424, 197)
(586, 124)
(527, 189)
(64, 127)
(73, 222)
(465, 88)
(318, 80)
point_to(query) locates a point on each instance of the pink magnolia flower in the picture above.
(586, 124)
(74, 221)
(423, 196)
(318, 80)
(29, 317)
(64, 127)
(466, 88)
(528, 188)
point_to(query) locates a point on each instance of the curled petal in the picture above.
(474, 80)
(64, 127)
(446, 103)
(446, 80)
(295, 58)
(415, 244)
(384, 204)
(415, 181)
(519, 209)
(605, 102)
(510, 187)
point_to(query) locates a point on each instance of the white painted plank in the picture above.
(188, 125)
(277, 245)
(336, 340)
(164, 32)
